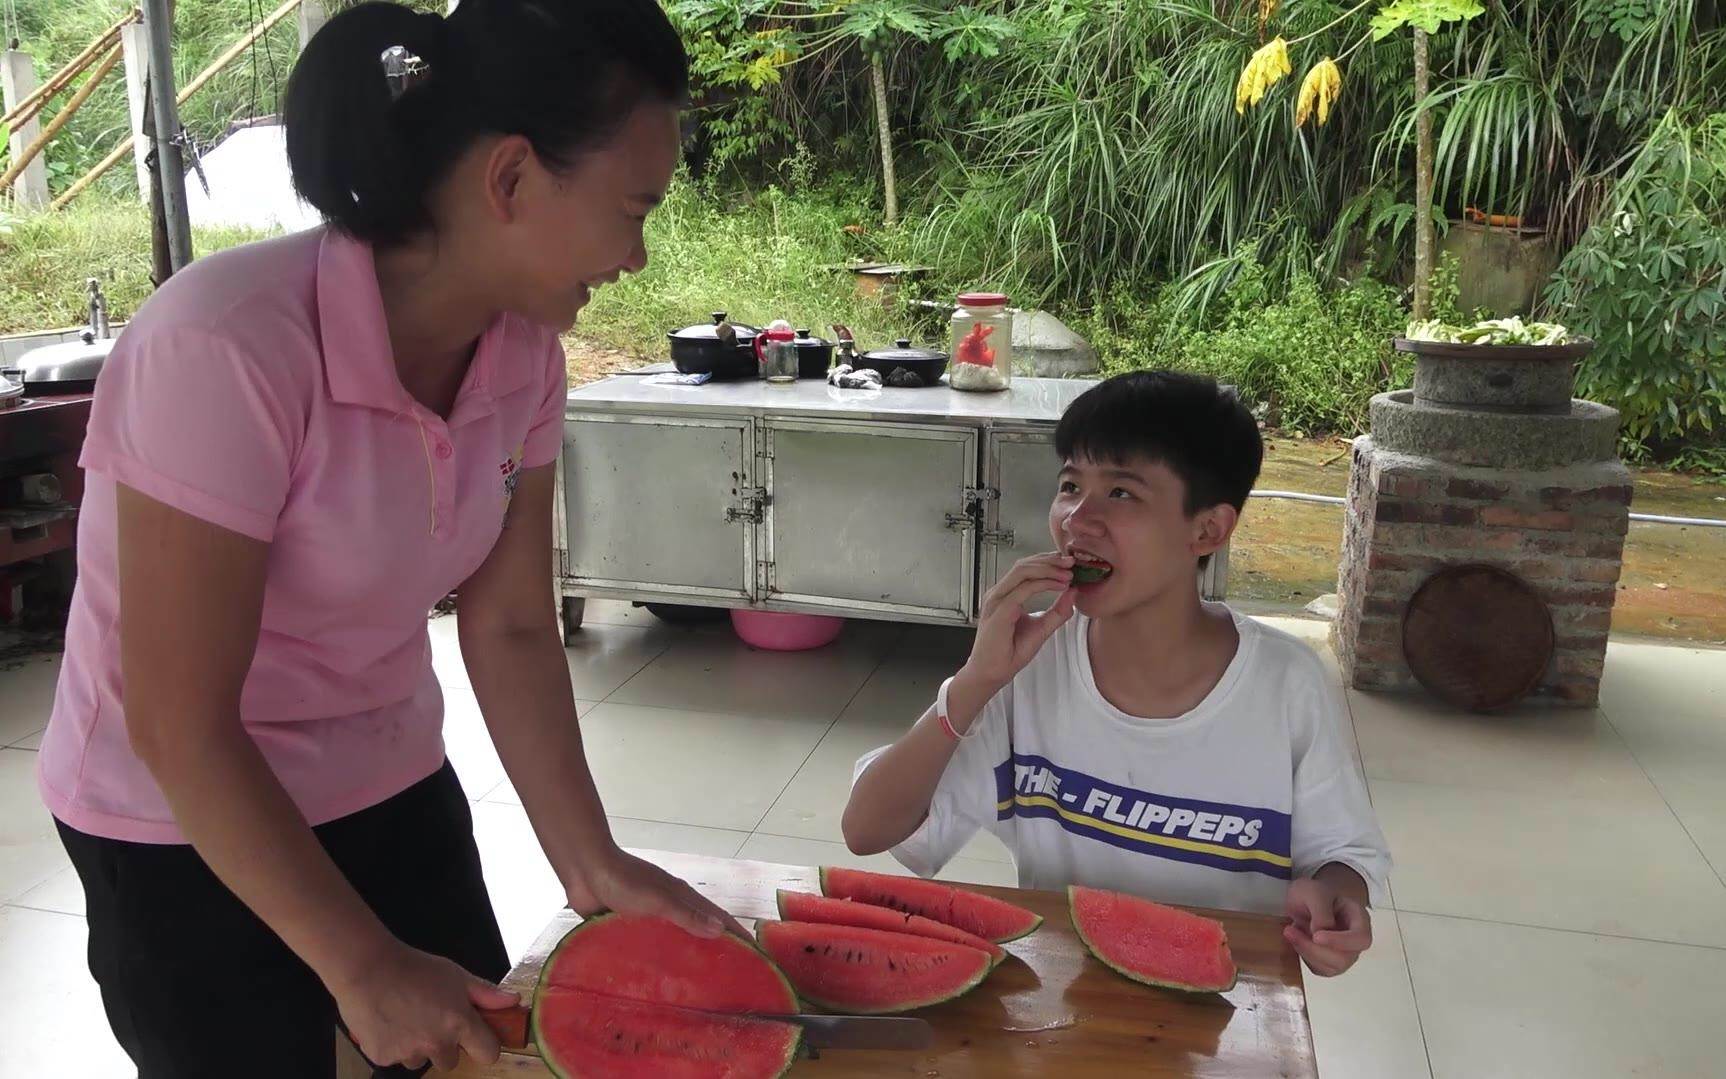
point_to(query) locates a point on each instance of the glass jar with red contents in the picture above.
(982, 343)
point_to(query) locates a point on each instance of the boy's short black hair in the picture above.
(1198, 429)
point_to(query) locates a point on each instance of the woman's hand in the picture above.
(629, 885)
(411, 1008)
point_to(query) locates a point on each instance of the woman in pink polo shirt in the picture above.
(297, 448)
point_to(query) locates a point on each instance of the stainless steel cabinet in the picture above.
(821, 504)
(870, 518)
(656, 506)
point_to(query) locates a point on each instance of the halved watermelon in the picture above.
(609, 998)
(980, 915)
(846, 968)
(582, 1034)
(808, 907)
(641, 958)
(1151, 943)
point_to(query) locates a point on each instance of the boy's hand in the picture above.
(1008, 636)
(1330, 930)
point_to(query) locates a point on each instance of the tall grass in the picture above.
(766, 257)
(46, 257)
(1101, 145)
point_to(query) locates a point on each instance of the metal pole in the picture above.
(171, 166)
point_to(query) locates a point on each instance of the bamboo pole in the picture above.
(61, 118)
(236, 49)
(191, 88)
(38, 97)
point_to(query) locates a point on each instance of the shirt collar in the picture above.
(358, 360)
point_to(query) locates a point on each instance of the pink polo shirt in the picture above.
(257, 391)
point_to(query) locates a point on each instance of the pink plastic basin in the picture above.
(781, 632)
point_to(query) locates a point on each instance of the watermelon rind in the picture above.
(1029, 924)
(887, 938)
(594, 920)
(1143, 979)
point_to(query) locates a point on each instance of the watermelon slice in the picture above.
(609, 995)
(1151, 943)
(846, 968)
(807, 907)
(980, 915)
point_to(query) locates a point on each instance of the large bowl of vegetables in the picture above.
(1501, 364)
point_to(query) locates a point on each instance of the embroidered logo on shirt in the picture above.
(510, 470)
(1238, 839)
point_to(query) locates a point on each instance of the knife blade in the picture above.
(819, 1031)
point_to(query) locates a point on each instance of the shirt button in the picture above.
(443, 451)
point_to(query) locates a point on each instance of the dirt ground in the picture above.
(590, 363)
(1285, 553)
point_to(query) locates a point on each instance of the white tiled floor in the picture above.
(1559, 906)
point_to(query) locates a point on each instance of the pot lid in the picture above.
(804, 337)
(710, 331)
(66, 362)
(903, 352)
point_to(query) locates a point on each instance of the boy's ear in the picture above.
(1212, 528)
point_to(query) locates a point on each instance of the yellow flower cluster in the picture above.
(1267, 65)
(1319, 89)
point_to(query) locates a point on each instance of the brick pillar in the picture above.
(1561, 530)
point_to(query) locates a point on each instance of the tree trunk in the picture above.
(1422, 182)
(889, 184)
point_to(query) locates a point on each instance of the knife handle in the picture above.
(509, 1024)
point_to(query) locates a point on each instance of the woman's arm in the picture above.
(191, 598)
(507, 625)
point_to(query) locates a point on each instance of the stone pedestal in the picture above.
(1542, 496)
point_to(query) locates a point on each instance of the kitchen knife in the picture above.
(819, 1031)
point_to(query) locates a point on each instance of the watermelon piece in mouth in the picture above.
(1090, 570)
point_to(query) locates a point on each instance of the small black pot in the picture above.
(927, 364)
(726, 349)
(814, 356)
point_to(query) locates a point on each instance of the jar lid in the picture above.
(982, 299)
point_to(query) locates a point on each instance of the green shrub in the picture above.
(1308, 359)
(1648, 283)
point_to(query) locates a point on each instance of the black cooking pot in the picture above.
(925, 364)
(814, 356)
(724, 348)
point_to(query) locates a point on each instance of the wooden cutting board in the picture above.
(1051, 1010)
